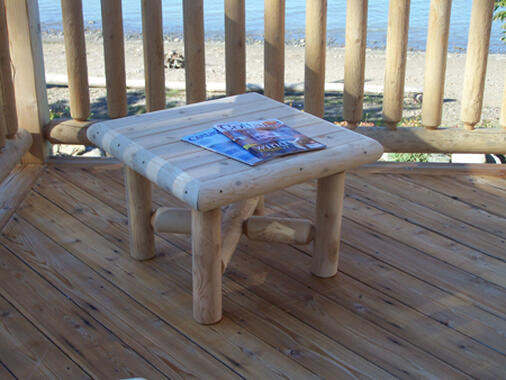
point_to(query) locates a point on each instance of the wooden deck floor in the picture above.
(420, 292)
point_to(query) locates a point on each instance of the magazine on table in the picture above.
(253, 142)
(268, 138)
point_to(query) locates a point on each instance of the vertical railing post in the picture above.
(354, 61)
(235, 46)
(435, 63)
(274, 49)
(502, 120)
(114, 55)
(476, 62)
(75, 51)
(316, 43)
(29, 79)
(8, 101)
(194, 45)
(154, 70)
(395, 71)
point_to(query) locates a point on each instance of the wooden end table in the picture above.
(150, 147)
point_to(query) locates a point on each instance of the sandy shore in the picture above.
(215, 69)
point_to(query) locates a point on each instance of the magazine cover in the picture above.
(213, 140)
(268, 138)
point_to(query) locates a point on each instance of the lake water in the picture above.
(50, 14)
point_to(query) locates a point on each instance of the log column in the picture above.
(274, 49)
(235, 47)
(329, 209)
(142, 238)
(206, 266)
(476, 62)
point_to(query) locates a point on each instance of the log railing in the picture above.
(25, 55)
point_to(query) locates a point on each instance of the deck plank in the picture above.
(88, 343)
(29, 353)
(396, 308)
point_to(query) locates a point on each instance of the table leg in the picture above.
(329, 209)
(142, 238)
(206, 266)
(260, 209)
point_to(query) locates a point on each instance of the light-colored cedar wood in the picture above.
(260, 210)
(329, 210)
(29, 82)
(8, 117)
(154, 67)
(172, 303)
(206, 266)
(75, 51)
(114, 55)
(370, 191)
(195, 68)
(502, 120)
(68, 131)
(321, 355)
(232, 228)
(235, 46)
(14, 189)
(442, 140)
(66, 324)
(314, 74)
(432, 168)
(274, 49)
(429, 273)
(5, 373)
(84, 162)
(435, 63)
(354, 61)
(279, 230)
(13, 151)
(119, 313)
(172, 220)
(142, 239)
(395, 65)
(205, 180)
(476, 62)
(28, 352)
(489, 184)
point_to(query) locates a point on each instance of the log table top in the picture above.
(151, 145)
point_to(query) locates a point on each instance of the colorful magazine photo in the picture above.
(215, 141)
(267, 139)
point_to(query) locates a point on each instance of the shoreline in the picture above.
(294, 73)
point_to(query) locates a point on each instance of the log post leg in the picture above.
(142, 238)
(206, 266)
(329, 209)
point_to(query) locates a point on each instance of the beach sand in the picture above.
(215, 71)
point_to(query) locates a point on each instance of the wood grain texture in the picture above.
(75, 51)
(29, 82)
(29, 353)
(142, 240)
(395, 65)
(114, 55)
(435, 63)
(314, 74)
(232, 227)
(68, 131)
(329, 209)
(154, 68)
(13, 151)
(194, 50)
(279, 230)
(206, 266)
(8, 117)
(14, 188)
(476, 62)
(354, 61)
(274, 49)
(235, 46)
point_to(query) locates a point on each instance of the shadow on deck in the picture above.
(420, 290)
